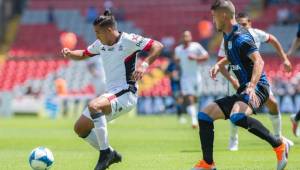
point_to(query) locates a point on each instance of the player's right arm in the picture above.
(216, 68)
(224, 71)
(90, 51)
(75, 55)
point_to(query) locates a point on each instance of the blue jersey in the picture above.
(239, 44)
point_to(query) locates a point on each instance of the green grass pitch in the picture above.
(146, 143)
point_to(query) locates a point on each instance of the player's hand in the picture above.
(66, 52)
(214, 71)
(253, 98)
(287, 66)
(140, 71)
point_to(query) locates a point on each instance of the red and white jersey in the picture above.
(258, 35)
(119, 59)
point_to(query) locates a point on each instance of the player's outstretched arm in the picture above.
(153, 53)
(75, 55)
(276, 44)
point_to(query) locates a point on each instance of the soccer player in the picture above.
(247, 65)
(259, 37)
(173, 71)
(189, 54)
(295, 118)
(119, 53)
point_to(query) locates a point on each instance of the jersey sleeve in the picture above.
(93, 49)
(140, 43)
(221, 52)
(262, 36)
(201, 50)
(247, 45)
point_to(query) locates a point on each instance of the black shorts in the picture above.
(226, 103)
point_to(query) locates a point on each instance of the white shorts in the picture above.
(190, 86)
(120, 104)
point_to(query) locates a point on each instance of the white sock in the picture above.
(276, 123)
(192, 111)
(101, 132)
(92, 139)
(233, 131)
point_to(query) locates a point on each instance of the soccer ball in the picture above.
(41, 158)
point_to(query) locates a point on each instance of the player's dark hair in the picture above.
(243, 15)
(225, 5)
(105, 20)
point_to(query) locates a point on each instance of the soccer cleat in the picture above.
(202, 165)
(233, 144)
(295, 124)
(108, 158)
(282, 152)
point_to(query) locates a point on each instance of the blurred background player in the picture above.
(274, 112)
(190, 54)
(248, 66)
(118, 51)
(295, 118)
(173, 71)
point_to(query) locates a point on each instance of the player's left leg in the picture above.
(275, 117)
(192, 109)
(99, 108)
(240, 116)
(189, 88)
(84, 128)
(233, 138)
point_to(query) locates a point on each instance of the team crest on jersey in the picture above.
(229, 45)
(235, 67)
(103, 49)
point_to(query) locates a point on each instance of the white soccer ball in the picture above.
(41, 158)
